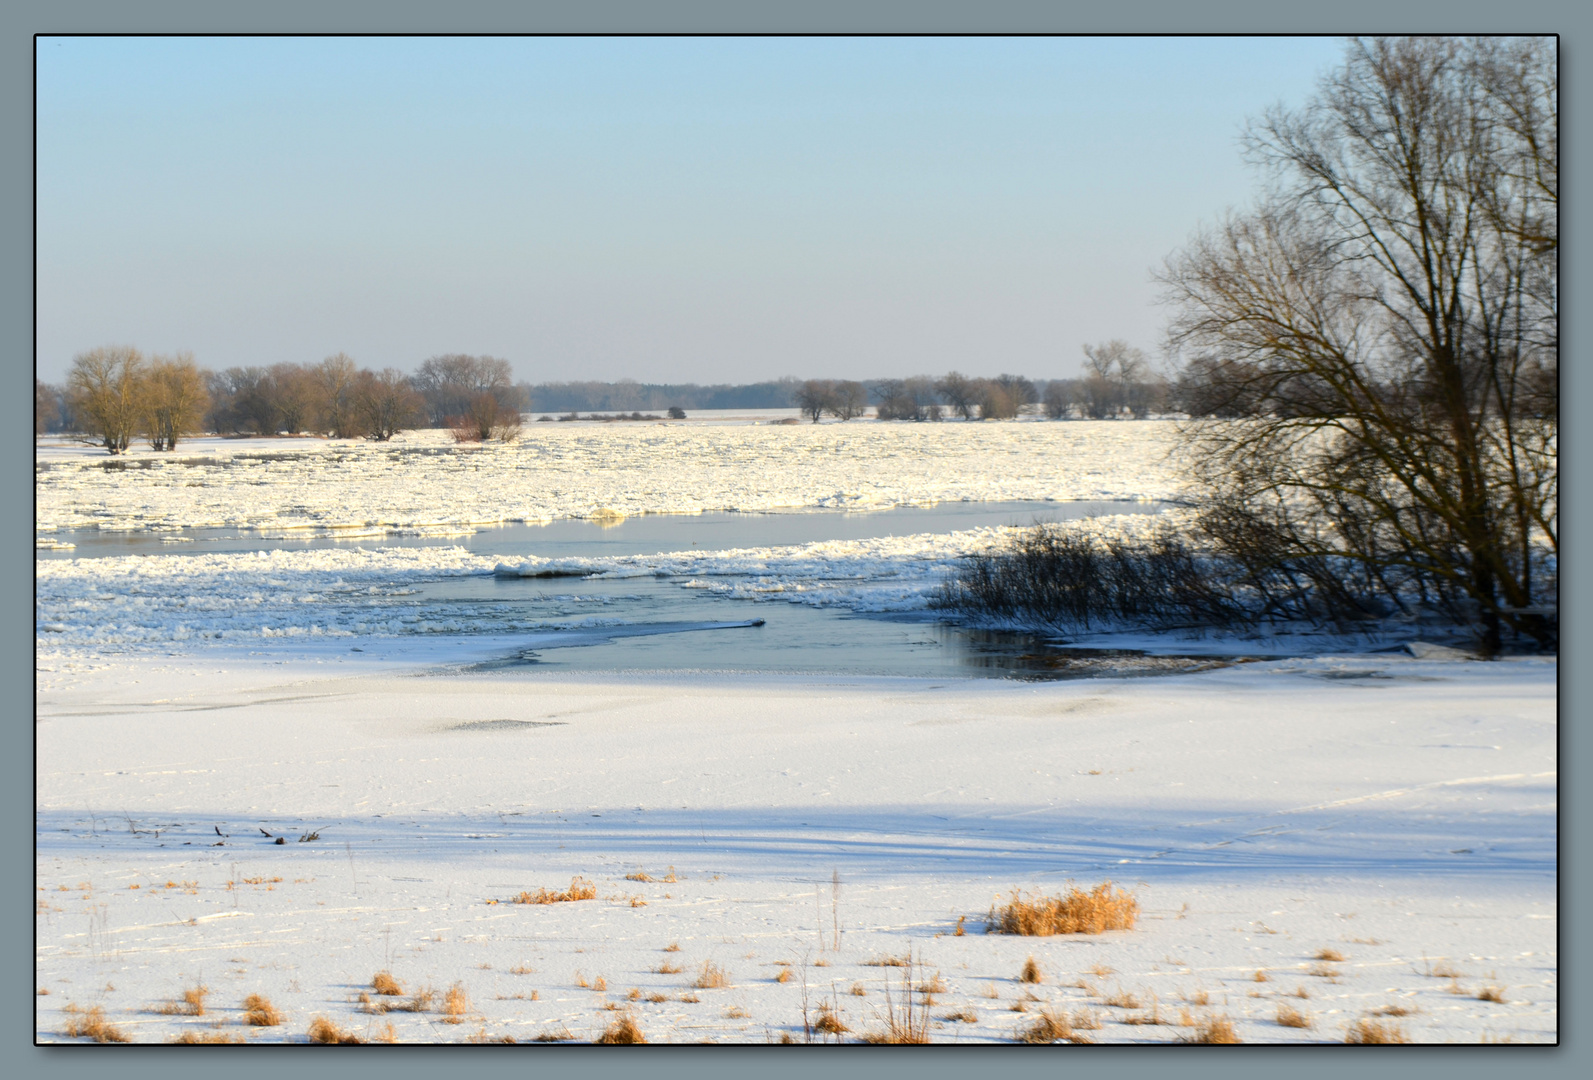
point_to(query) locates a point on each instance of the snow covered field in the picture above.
(1400, 813)
(192, 709)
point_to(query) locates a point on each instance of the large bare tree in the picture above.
(106, 387)
(175, 400)
(1385, 321)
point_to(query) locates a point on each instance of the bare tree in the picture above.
(451, 384)
(296, 394)
(1387, 317)
(960, 392)
(340, 415)
(175, 400)
(106, 386)
(814, 398)
(386, 403)
(994, 400)
(848, 400)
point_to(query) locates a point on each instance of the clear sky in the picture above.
(662, 209)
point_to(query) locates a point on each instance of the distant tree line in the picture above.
(114, 396)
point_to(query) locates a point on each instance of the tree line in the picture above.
(116, 395)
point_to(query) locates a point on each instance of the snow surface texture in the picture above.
(1398, 812)
(423, 482)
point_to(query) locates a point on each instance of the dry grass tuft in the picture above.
(259, 1012)
(906, 1025)
(1290, 1017)
(600, 984)
(91, 1025)
(580, 889)
(935, 985)
(962, 1016)
(1030, 972)
(784, 976)
(1213, 1031)
(635, 994)
(736, 1012)
(622, 1031)
(828, 1022)
(1121, 999)
(327, 1033)
(689, 998)
(1395, 1010)
(455, 1004)
(522, 969)
(197, 1038)
(857, 990)
(640, 875)
(1260, 976)
(384, 983)
(1324, 971)
(1494, 994)
(1332, 956)
(1199, 997)
(1301, 992)
(666, 968)
(887, 960)
(1102, 908)
(711, 977)
(1366, 1032)
(563, 1034)
(673, 946)
(658, 999)
(1051, 1026)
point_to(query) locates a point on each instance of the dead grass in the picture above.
(522, 969)
(1366, 1032)
(658, 999)
(1121, 999)
(736, 1012)
(1153, 1018)
(935, 985)
(1395, 1010)
(384, 983)
(456, 1002)
(1324, 971)
(563, 1034)
(1260, 976)
(784, 976)
(666, 968)
(622, 1031)
(1101, 971)
(197, 1038)
(673, 946)
(1213, 1031)
(857, 990)
(1443, 970)
(1051, 1026)
(962, 1016)
(906, 1023)
(1332, 956)
(1301, 992)
(711, 977)
(259, 1012)
(1030, 972)
(1199, 997)
(640, 875)
(327, 1033)
(829, 1023)
(1290, 1017)
(689, 998)
(580, 889)
(1101, 909)
(91, 1024)
(1494, 994)
(887, 960)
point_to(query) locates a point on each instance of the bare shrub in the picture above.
(906, 1022)
(1056, 577)
(456, 1003)
(1102, 908)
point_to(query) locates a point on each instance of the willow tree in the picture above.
(106, 387)
(1385, 323)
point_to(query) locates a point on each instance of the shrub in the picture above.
(1102, 908)
(1055, 577)
(384, 983)
(621, 1032)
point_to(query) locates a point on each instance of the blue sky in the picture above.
(663, 209)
